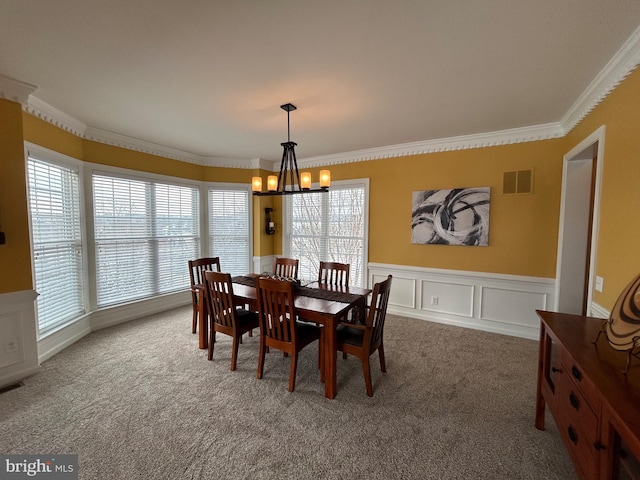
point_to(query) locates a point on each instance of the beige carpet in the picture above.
(140, 400)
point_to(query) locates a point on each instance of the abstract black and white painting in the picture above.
(454, 216)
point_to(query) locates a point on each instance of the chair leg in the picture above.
(321, 359)
(366, 369)
(383, 365)
(261, 358)
(234, 352)
(212, 341)
(194, 321)
(344, 355)
(292, 371)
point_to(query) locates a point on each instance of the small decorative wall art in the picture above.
(454, 216)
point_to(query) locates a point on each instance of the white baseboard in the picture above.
(18, 375)
(57, 341)
(497, 303)
(599, 311)
(107, 317)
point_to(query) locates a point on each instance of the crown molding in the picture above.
(15, 90)
(50, 114)
(463, 142)
(131, 143)
(615, 71)
(137, 145)
(263, 164)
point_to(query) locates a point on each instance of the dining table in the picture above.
(322, 303)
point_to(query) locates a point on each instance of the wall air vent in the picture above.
(517, 182)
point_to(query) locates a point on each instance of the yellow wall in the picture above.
(618, 258)
(523, 228)
(15, 255)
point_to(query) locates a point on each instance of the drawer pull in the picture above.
(572, 434)
(598, 446)
(575, 403)
(577, 374)
(555, 370)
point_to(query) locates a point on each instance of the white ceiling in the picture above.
(207, 77)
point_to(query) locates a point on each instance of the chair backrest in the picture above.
(378, 312)
(334, 273)
(219, 298)
(199, 266)
(286, 267)
(276, 309)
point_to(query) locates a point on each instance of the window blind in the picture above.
(229, 229)
(54, 203)
(330, 227)
(145, 233)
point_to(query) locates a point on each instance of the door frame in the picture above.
(595, 138)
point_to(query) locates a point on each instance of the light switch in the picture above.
(599, 283)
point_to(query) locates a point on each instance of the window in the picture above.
(145, 233)
(229, 233)
(331, 227)
(55, 214)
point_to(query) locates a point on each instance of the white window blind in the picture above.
(229, 229)
(145, 233)
(54, 203)
(330, 227)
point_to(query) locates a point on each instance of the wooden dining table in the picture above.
(316, 302)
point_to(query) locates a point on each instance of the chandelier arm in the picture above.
(282, 177)
(295, 164)
(292, 167)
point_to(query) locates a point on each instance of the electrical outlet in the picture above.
(434, 300)
(11, 345)
(599, 283)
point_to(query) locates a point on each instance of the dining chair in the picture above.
(363, 340)
(286, 267)
(196, 269)
(337, 274)
(279, 328)
(224, 316)
(334, 273)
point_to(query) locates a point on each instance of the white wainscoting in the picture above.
(263, 264)
(491, 302)
(497, 303)
(18, 336)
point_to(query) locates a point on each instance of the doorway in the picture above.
(579, 216)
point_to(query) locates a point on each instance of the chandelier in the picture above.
(289, 171)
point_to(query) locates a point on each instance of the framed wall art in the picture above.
(454, 216)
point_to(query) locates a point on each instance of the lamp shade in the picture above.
(256, 184)
(272, 183)
(325, 178)
(305, 180)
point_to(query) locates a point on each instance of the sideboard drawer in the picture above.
(581, 449)
(582, 382)
(573, 406)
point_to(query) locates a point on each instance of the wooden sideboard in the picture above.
(595, 406)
